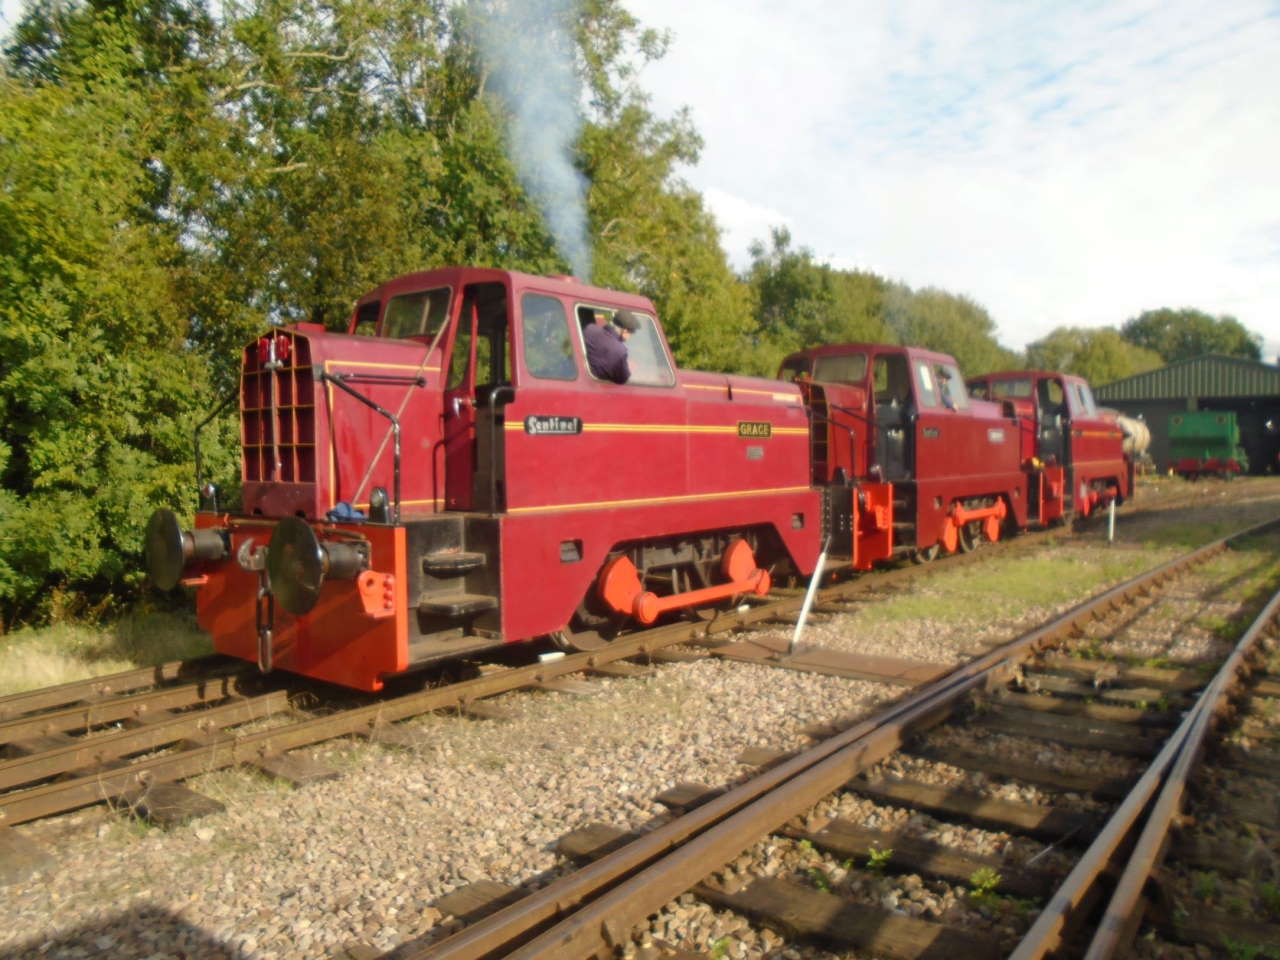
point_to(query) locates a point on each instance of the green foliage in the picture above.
(948, 323)
(96, 380)
(1182, 334)
(878, 860)
(984, 880)
(1269, 894)
(1100, 355)
(1206, 884)
(1243, 950)
(801, 303)
(818, 877)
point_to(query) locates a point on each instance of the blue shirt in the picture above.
(606, 353)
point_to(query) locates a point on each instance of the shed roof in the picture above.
(1212, 375)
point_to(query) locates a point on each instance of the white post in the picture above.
(808, 598)
(1111, 520)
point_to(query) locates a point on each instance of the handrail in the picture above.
(339, 381)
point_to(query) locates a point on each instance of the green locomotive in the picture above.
(1206, 442)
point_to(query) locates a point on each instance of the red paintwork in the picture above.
(620, 587)
(326, 438)
(873, 523)
(1193, 467)
(967, 450)
(1096, 467)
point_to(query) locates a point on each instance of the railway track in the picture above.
(130, 738)
(1021, 689)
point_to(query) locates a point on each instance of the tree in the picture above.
(801, 303)
(1100, 355)
(98, 392)
(948, 323)
(1182, 334)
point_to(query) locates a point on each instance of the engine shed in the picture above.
(1213, 382)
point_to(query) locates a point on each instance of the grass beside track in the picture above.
(33, 657)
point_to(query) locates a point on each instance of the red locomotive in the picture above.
(449, 476)
(1076, 448)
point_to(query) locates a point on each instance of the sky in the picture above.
(1066, 163)
(1060, 163)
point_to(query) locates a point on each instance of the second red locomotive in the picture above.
(448, 475)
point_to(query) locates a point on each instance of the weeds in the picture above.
(1206, 885)
(818, 877)
(1269, 894)
(878, 860)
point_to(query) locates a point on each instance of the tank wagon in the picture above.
(447, 476)
(1206, 442)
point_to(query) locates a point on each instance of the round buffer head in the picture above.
(163, 550)
(295, 564)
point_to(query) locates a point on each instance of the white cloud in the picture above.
(1060, 164)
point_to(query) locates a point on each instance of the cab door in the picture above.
(1054, 419)
(894, 440)
(479, 365)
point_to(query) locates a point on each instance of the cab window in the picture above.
(1084, 400)
(924, 382)
(794, 368)
(367, 319)
(548, 352)
(418, 314)
(950, 386)
(649, 363)
(645, 357)
(841, 368)
(1051, 394)
(483, 319)
(1010, 388)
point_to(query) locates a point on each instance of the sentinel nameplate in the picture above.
(545, 426)
(754, 428)
(995, 435)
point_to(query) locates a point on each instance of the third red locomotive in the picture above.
(449, 475)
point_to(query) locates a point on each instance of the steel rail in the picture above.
(639, 878)
(149, 736)
(47, 799)
(1122, 914)
(75, 691)
(21, 806)
(1046, 934)
(97, 713)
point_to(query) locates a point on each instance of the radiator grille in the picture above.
(278, 411)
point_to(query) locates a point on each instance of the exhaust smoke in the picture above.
(529, 49)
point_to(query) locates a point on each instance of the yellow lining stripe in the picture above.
(653, 501)
(379, 366)
(518, 425)
(782, 397)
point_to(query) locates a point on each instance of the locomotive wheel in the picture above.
(925, 555)
(580, 641)
(970, 536)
